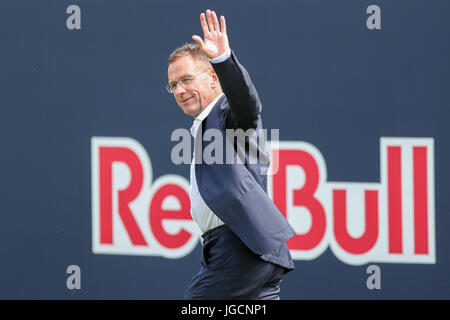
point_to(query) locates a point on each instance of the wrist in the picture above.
(222, 57)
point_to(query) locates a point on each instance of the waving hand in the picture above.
(215, 40)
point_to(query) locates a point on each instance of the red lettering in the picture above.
(394, 199)
(366, 242)
(420, 200)
(157, 214)
(108, 155)
(303, 197)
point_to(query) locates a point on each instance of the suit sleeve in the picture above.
(245, 106)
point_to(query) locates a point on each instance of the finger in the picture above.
(203, 23)
(223, 25)
(215, 21)
(209, 19)
(198, 40)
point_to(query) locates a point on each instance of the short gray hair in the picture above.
(191, 49)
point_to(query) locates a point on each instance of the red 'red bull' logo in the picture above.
(387, 221)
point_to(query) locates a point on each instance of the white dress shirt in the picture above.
(200, 212)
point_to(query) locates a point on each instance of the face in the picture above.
(194, 95)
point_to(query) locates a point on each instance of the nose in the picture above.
(179, 90)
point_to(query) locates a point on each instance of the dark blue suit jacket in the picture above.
(237, 193)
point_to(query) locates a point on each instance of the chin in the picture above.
(188, 112)
(191, 111)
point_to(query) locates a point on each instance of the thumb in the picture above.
(199, 41)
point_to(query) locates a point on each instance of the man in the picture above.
(245, 255)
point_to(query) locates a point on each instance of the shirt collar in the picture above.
(202, 116)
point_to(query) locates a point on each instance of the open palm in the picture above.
(215, 40)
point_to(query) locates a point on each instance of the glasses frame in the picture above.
(172, 86)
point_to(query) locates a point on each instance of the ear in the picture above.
(215, 79)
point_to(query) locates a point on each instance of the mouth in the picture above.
(185, 100)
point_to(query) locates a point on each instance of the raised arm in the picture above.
(234, 79)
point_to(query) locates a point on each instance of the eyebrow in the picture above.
(186, 75)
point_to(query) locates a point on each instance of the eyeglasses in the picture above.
(184, 81)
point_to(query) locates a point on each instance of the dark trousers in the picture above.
(229, 270)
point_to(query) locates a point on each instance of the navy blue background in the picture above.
(322, 76)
